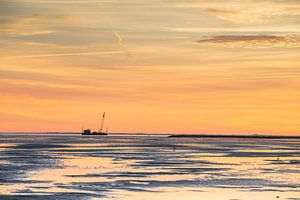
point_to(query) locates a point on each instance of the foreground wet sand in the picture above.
(132, 167)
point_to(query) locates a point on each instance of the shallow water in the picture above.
(131, 167)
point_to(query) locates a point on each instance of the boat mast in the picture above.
(102, 122)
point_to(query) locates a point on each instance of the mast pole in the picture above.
(102, 122)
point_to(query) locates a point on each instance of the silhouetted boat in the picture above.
(100, 132)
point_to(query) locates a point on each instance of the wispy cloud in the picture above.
(120, 43)
(253, 12)
(252, 41)
(36, 24)
(119, 37)
(69, 54)
(234, 15)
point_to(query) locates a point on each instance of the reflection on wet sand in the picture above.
(127, 167)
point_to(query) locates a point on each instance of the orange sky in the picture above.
(158, 67)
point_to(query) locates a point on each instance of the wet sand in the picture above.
(131, 167)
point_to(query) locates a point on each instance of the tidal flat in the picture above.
(58, 166)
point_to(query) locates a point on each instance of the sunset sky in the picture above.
(157, 66)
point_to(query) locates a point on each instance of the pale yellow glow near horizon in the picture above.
(156, 67)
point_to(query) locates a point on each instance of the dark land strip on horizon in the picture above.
(234, 136)
(254, 136)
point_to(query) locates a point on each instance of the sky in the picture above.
(157, 66)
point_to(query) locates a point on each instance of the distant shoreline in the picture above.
(234, 136)
(163, 134)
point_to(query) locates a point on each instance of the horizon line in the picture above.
(258, 135)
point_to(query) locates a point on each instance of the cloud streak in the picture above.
(120, 40)
(120, 43)
(251, 41)
(70, 54)
(253, 12)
